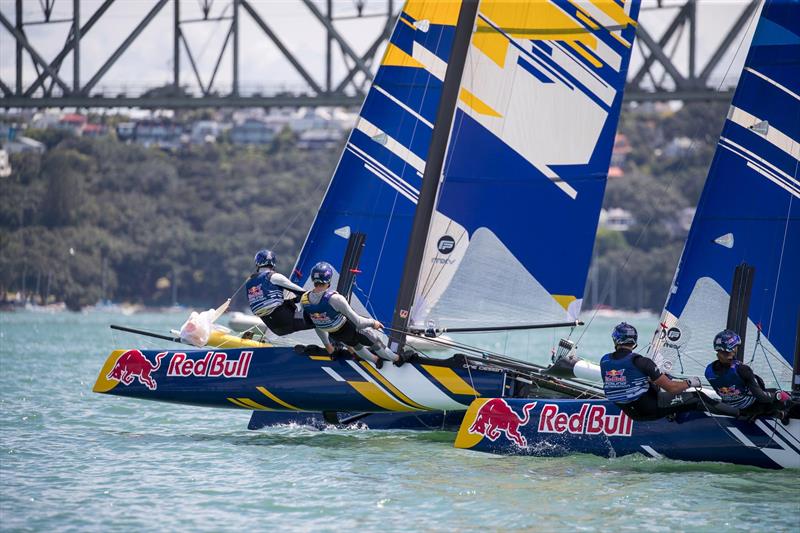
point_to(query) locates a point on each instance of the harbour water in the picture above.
(74, 460)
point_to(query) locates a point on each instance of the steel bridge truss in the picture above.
(655, 76)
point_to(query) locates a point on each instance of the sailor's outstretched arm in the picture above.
(339, 303)
(326, 341)
(747, 375)
(282, 281)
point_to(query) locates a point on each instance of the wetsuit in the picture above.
(335, 319)
(265, 291)
(644, 400)
(740, 387)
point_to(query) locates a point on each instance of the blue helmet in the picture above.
(726, 341)
(265, 258)
(624, 333)
(321, 273)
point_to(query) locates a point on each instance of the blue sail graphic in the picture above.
(512, 236)
(749, 212)
(376, 184)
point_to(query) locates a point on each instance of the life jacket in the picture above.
(622, 381)
(322, 314)
(263, 295)
(730, 386)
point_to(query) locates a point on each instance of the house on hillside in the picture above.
(316, 139)
(616, 219)
(252, 131)
(72, 122)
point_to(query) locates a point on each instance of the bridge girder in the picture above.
(656, 75)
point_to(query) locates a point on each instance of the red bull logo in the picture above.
(590, 420)
(496, 417)
(615, 376)
(255, 292)
(214, 364)
(133, 364)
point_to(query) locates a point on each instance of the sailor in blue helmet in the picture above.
(737, 384)
(335, 320)
(265, 294)
(636, 385)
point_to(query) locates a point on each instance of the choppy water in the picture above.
(74, 460)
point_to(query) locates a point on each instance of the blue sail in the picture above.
(749, 212)
(375, 187)
(512, 235)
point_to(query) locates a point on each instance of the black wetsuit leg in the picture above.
(282, 320)
(349, 335)
(655, 404)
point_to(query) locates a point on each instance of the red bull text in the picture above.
(590, 420)
(496, 417)
(214, 364)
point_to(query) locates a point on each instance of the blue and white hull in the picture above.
(562, 427)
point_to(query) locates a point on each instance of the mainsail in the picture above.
(748, 214)
(511, 238)
(525, 162)
(375, 187)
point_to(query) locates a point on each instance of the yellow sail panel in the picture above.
(443, 12)
(615, 11)
(371, 392)
(564, 299)
(534, 20)
(395, 57)
(476, 104)
(491, 43)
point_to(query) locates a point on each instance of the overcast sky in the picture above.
(148, 62)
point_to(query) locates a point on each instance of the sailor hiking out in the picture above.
(636, 385)
(265, 294)
(737, 384)
(336, 321)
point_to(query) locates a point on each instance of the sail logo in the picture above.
(446, 244)
(213, 365)
(590, 420)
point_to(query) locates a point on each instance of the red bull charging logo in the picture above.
(133, 364)
(214, 364)
(496, 417)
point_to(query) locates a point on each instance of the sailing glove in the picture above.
(693, 382)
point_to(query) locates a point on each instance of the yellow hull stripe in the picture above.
(371, 392)
(237, 403)
(218, 339)
(254, 405)
(465, 439)
(451, 380)
(386, 383)
(275, 399)
(104, 384)
(320, 357)
(476, 104)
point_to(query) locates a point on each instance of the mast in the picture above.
(433, 170)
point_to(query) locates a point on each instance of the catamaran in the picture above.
(466, 198)
(739, 270)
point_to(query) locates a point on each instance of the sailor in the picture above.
(636, 385)
(737, 384)
(335, 320)
(265, 294)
